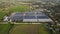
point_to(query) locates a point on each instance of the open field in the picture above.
(20, 8)
(28, 29)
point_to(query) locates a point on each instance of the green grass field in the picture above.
(20, 8)
(28, 29)
(4, 28)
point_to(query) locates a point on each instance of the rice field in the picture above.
(28, 29)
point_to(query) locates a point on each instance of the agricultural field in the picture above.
(28, 29)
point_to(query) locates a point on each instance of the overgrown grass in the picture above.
(4, 28)
(43, 30)
(21, 8)
(2, 14)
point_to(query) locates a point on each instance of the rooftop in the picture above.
(28, 15)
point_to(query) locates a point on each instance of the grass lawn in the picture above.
(20, 8)
(4, 28)
(28, 29)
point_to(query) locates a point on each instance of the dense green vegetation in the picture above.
(4, 28)
(43, 30)
(2, 14)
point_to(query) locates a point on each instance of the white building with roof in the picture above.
(30, 17)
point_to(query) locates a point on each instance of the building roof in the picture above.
(17, 16)
(42, 17)
(28, 15)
